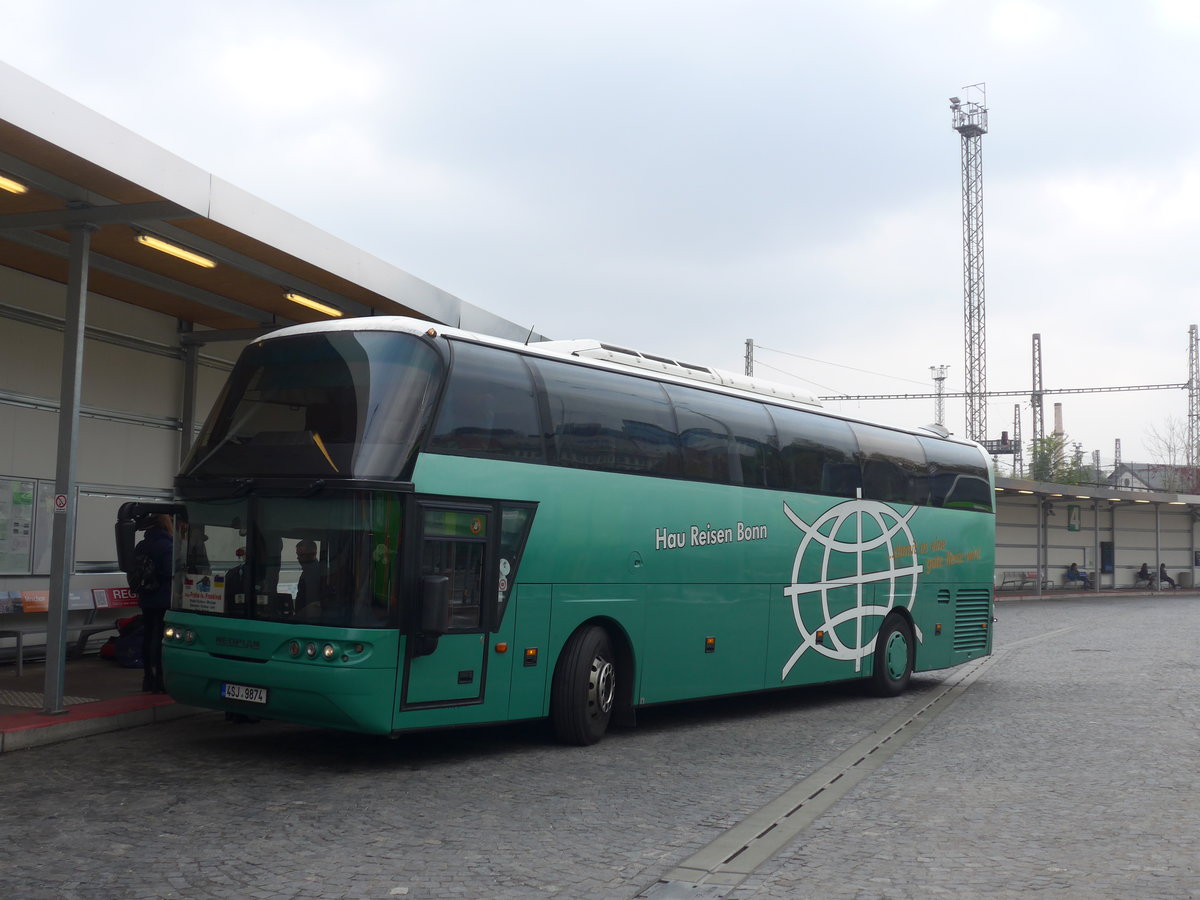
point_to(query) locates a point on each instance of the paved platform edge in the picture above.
(36, 729)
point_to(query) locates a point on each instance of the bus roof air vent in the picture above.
(623, 356)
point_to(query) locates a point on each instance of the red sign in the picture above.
(113, 598)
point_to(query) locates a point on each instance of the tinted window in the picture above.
(725, 439)
(344, 403)
(490, 408)
(958, 476)
(605, 420)
(893, 465)
(817, 454)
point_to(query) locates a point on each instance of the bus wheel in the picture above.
(585, 683)
(893, 664)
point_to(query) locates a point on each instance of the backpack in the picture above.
(127, 650)
(143, 576)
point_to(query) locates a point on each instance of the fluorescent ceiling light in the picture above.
(314, 304)
(13, 187)
(175, 250)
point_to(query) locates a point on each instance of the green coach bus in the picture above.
(387, 526)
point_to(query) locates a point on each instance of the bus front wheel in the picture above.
(893, 663)
(584, 686)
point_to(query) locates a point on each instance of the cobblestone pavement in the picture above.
(1066, 768)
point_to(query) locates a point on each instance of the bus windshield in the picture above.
(339, 404)
(329, 559)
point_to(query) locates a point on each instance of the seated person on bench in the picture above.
(1073, 574)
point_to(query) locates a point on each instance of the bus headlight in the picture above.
(310, 650)
(169, 632)
(327, 651)
(189, 636)
(294, 648)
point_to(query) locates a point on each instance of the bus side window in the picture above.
(462, 563)
(893, 464)
(610, 422)
(490, 408)
(454, 545)
(818, 454)
(725, 439)
(958, 476)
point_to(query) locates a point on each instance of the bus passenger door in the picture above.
(456, 543)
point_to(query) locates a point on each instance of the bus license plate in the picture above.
(243, 692)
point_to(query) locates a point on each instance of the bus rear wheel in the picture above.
(584, 687)
(893, 663)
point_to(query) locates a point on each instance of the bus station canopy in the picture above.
(64, 165)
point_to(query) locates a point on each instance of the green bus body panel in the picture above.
(673, 562)
(355, 695)
(665, 565)
(455, 672)
(529, 615)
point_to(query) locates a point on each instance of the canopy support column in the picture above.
(62, 549)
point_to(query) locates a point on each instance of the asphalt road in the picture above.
(1065, 765)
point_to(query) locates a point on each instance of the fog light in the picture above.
(327, 651)
(310, 650)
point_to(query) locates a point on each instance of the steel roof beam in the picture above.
(115, 214)
(150, 279)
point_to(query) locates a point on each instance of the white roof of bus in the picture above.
(608, 356)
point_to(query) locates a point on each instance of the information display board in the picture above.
(16, 525)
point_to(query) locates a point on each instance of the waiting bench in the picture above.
(27, 613)
(1018, 579)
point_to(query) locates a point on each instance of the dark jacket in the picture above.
(157, 545)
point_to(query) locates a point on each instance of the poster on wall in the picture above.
(16, 525)
(43, 530)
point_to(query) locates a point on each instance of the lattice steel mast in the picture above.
(1193, 451)
(1018, 451)
(1035, 399)
(971, 122)
(939, 403)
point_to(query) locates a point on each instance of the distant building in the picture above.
(1155, 477)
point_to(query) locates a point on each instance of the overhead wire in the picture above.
(838, 365)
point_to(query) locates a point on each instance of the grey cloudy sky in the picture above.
(682, 176)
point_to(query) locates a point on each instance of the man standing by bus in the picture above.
(308, 591)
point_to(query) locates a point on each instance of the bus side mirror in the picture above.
(435, 614)
(126, 540)
(435, 605)
(126, 527)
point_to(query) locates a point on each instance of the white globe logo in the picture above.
(836, 534)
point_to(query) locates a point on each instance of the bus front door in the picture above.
(455, 543)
